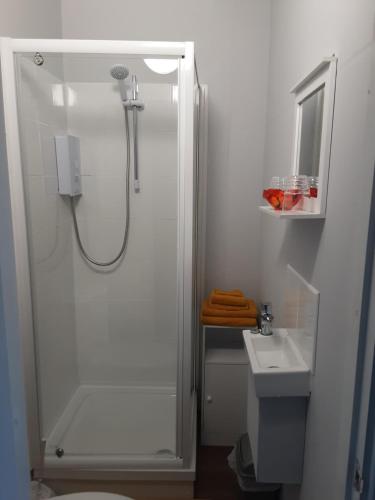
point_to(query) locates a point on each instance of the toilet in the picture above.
(92, 496)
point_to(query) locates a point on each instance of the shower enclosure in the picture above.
(112, 385)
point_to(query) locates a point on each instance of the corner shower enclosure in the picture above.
(112, 385)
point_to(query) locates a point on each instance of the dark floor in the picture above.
(217, 481)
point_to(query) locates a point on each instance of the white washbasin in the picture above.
(276, 365)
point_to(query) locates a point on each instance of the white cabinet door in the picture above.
(224, 405)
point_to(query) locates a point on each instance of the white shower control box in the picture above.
(68, 165)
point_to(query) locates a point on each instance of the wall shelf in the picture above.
(292, 214)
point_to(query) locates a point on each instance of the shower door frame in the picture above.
(15, 235)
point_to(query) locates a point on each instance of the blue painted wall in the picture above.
(14, 468)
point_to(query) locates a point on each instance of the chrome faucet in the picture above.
(266, 319)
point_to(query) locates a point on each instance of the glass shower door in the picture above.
(107, 339)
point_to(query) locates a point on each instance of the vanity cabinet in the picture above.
(276, 429)
(224, 375)
(277, 399)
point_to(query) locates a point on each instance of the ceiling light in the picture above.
(162, 66)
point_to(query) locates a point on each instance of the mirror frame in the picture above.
(324, 74)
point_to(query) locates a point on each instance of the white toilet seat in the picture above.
(92, 496)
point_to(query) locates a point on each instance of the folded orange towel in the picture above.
(250, 311)
(228, 300)
(224, 307)
(220, 321)
(236, 292)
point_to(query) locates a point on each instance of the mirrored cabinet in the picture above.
(303, 193)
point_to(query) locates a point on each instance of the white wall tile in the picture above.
(159, 158)
(132, 318)
(299, 314)
(43, 217)
(50, 241)
(165, 192)
(137, 300)
(47, 139)
(32, 159)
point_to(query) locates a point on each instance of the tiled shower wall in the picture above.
(99, 327)
(50, 235)
(126, 318)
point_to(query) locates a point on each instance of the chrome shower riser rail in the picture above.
(135, 105)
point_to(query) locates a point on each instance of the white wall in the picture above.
(23, 19)
(330, 253)
(232, 43)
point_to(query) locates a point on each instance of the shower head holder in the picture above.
(134, 104)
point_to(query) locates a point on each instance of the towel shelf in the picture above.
(292, 214)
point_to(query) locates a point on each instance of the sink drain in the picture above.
(273, 366)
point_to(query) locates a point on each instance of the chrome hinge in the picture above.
(358, 477)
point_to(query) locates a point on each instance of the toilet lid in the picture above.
(92, 496)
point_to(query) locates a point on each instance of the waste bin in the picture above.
(240, 460)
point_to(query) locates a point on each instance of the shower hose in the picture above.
(127, 208)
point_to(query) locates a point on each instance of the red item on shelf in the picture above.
(313, 192)
(281, 200)
(291, 199)
(275, 197)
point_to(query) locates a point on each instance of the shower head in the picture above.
(119, 71)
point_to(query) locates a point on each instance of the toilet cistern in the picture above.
(266, 319)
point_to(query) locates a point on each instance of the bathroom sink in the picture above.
(276, 365)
